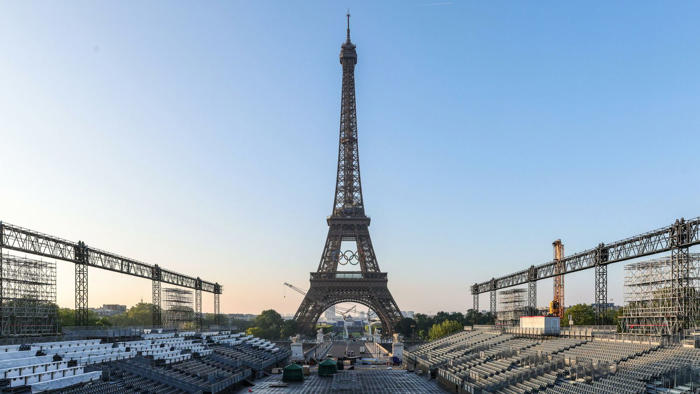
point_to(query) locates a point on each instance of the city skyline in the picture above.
(521, 137)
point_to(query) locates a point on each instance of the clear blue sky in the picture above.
(203, 136)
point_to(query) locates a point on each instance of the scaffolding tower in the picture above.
(179, 312)
(513, 305)
(28, 291)
(655, 303)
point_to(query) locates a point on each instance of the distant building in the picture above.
(109, 310)
(407, 314)
(241, 316)
(330, 313)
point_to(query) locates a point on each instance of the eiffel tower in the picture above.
(348, 223)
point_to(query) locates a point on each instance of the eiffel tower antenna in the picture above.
(348, 223)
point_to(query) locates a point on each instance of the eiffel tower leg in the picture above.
(368, 261)
(308, 313)
(371, 293)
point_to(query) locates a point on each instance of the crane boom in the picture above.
(298, 290)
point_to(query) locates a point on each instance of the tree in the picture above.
(475, 317)
(140, 315)
(267, 324)
(445, 328)
(406, 327)
(66, 317)
(289, 328)
(581, 314)
(423, 324)
(440, 317)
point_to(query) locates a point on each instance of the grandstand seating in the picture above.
(491, 361)
(157, 362)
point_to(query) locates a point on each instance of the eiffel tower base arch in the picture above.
(327, 289)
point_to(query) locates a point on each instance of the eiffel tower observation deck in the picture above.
(348, 223)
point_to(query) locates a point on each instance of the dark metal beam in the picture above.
(217, 309)
(29, 241)
(198, 304)
(653, 242)
(532, 289)
(601, 293)
(157, 317)
(681, 285)
(81, 284)
(532, 296)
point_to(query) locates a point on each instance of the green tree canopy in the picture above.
(289, 328)
(445, 328)
(582, 315)
(406, 327)
(267, 324)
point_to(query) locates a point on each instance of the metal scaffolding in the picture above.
(660, 299)
(513, 305)
(178, 308)
(28, 289)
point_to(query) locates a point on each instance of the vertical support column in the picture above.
(475, 297)
(81, 284)
(157, 313)
(198, 303)
(493, 297)
(601, 284)
(559, 270)
(601, 293)
(532, 296)
(532, 289)
(680, 276)
(217, 303)
(3, 330)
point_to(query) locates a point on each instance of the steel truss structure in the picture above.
(658, 302)
(198, 304)
(676, 238)
(601, 293)
(33, 242)
(178, 307)
(512, 307)
(532, 296)
(28, 291)
(348, 223)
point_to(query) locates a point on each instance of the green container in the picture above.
(327, 368)
(293, 373)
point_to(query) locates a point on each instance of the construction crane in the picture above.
(346, 312)
(371, 316)
(556, 306)
(298, 290)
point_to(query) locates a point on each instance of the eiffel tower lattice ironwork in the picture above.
(348, 222)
